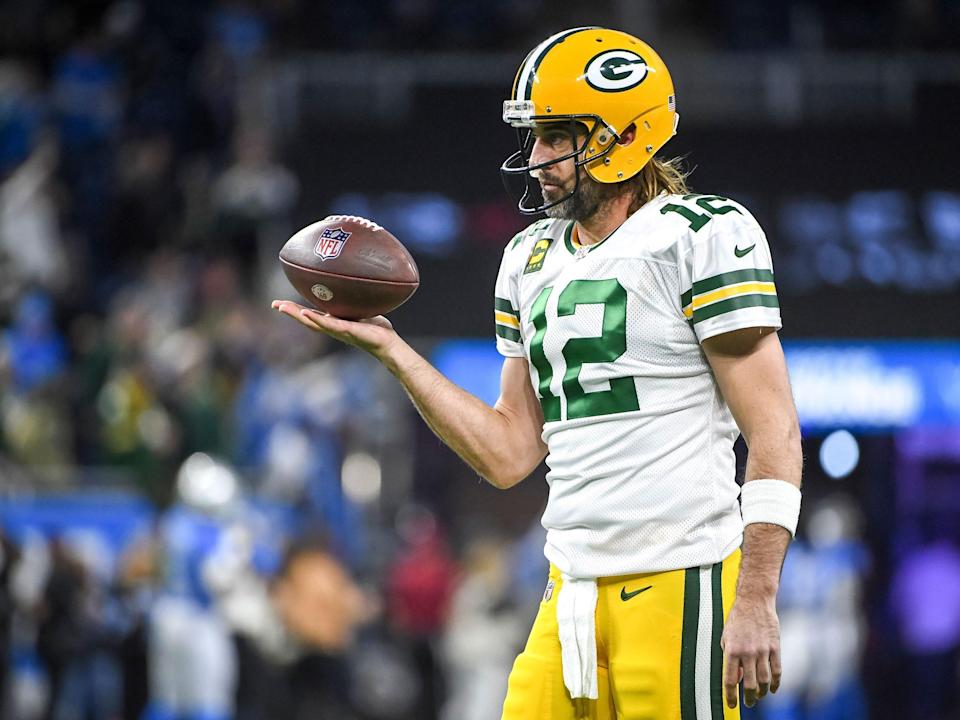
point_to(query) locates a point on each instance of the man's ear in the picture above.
(628, 135)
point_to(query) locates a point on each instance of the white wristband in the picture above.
(771, 501)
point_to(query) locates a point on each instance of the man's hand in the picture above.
(375, 335)
(751, 649)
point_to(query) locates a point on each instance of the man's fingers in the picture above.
(308, 318)
(731, 679)
(750, 680)
(286, 306)
(776, 670)
(293, 310)
(763, 675)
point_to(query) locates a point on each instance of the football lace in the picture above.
(354, 218)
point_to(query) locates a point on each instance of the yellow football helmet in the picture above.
(606, 80)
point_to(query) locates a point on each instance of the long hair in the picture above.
(656, 177)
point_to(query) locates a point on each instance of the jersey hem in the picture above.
(720, 328)
(510, 353)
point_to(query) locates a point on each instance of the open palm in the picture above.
(375, 335)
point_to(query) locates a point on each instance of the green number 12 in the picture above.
(705, 202)
(610, 345)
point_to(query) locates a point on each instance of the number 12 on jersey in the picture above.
(605, 348)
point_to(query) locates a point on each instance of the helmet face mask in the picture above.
(518, 164)
(605, 80)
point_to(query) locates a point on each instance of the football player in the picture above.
(638, 322)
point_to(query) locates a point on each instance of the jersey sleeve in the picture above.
(727, 277)
(506, 308)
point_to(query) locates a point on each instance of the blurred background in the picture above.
(207, 512)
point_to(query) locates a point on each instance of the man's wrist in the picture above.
(771, 501)
(757, 591)
(391, 354)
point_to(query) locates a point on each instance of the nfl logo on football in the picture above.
(330, 243)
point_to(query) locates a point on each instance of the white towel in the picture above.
(576, 618)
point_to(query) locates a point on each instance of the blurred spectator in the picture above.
(146, 212)
(35, 420)
(32, 252)
(822, 623)
(320, 608)
(136, 575)
(88, 97)
(290, 414)
(925, 595)
(484, 633)
(9, 556)
(237, 28)
(37, 352)
(191, 657)
(529, 569)
(78, 635)
(22, 114)
(60, 635)
(253, 199)
(419, 586)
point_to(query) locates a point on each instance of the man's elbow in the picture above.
(796, 448)
(790, 441)
(507, 474)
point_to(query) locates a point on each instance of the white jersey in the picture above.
(640, 439)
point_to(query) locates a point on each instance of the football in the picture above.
(349, 267)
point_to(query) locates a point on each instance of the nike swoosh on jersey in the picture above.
(740, 253)
(624, 595)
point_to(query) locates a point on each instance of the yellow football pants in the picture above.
(658, 650)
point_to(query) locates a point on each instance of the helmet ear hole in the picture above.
(628, 135)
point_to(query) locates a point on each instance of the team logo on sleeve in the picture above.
(548, 593)
(615, 71)
(330, 243)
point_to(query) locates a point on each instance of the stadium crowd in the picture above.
(141, 207)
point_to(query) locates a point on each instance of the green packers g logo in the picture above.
(615, 71)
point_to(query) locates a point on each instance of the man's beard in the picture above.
(589, 197)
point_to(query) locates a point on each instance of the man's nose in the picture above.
(540, 152)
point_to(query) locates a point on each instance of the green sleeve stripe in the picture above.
(516, 240)
(732, 278)
(686, 298)
(508, 333)
(505, 306)
(734, 303)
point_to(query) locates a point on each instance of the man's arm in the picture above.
(752, 375)
(501, 443)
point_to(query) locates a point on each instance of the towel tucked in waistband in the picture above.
(576, 618)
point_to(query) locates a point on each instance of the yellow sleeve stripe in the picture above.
(506, 319)
(747, 288)
(730, 291)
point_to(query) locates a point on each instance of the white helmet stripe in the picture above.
(525, 79)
